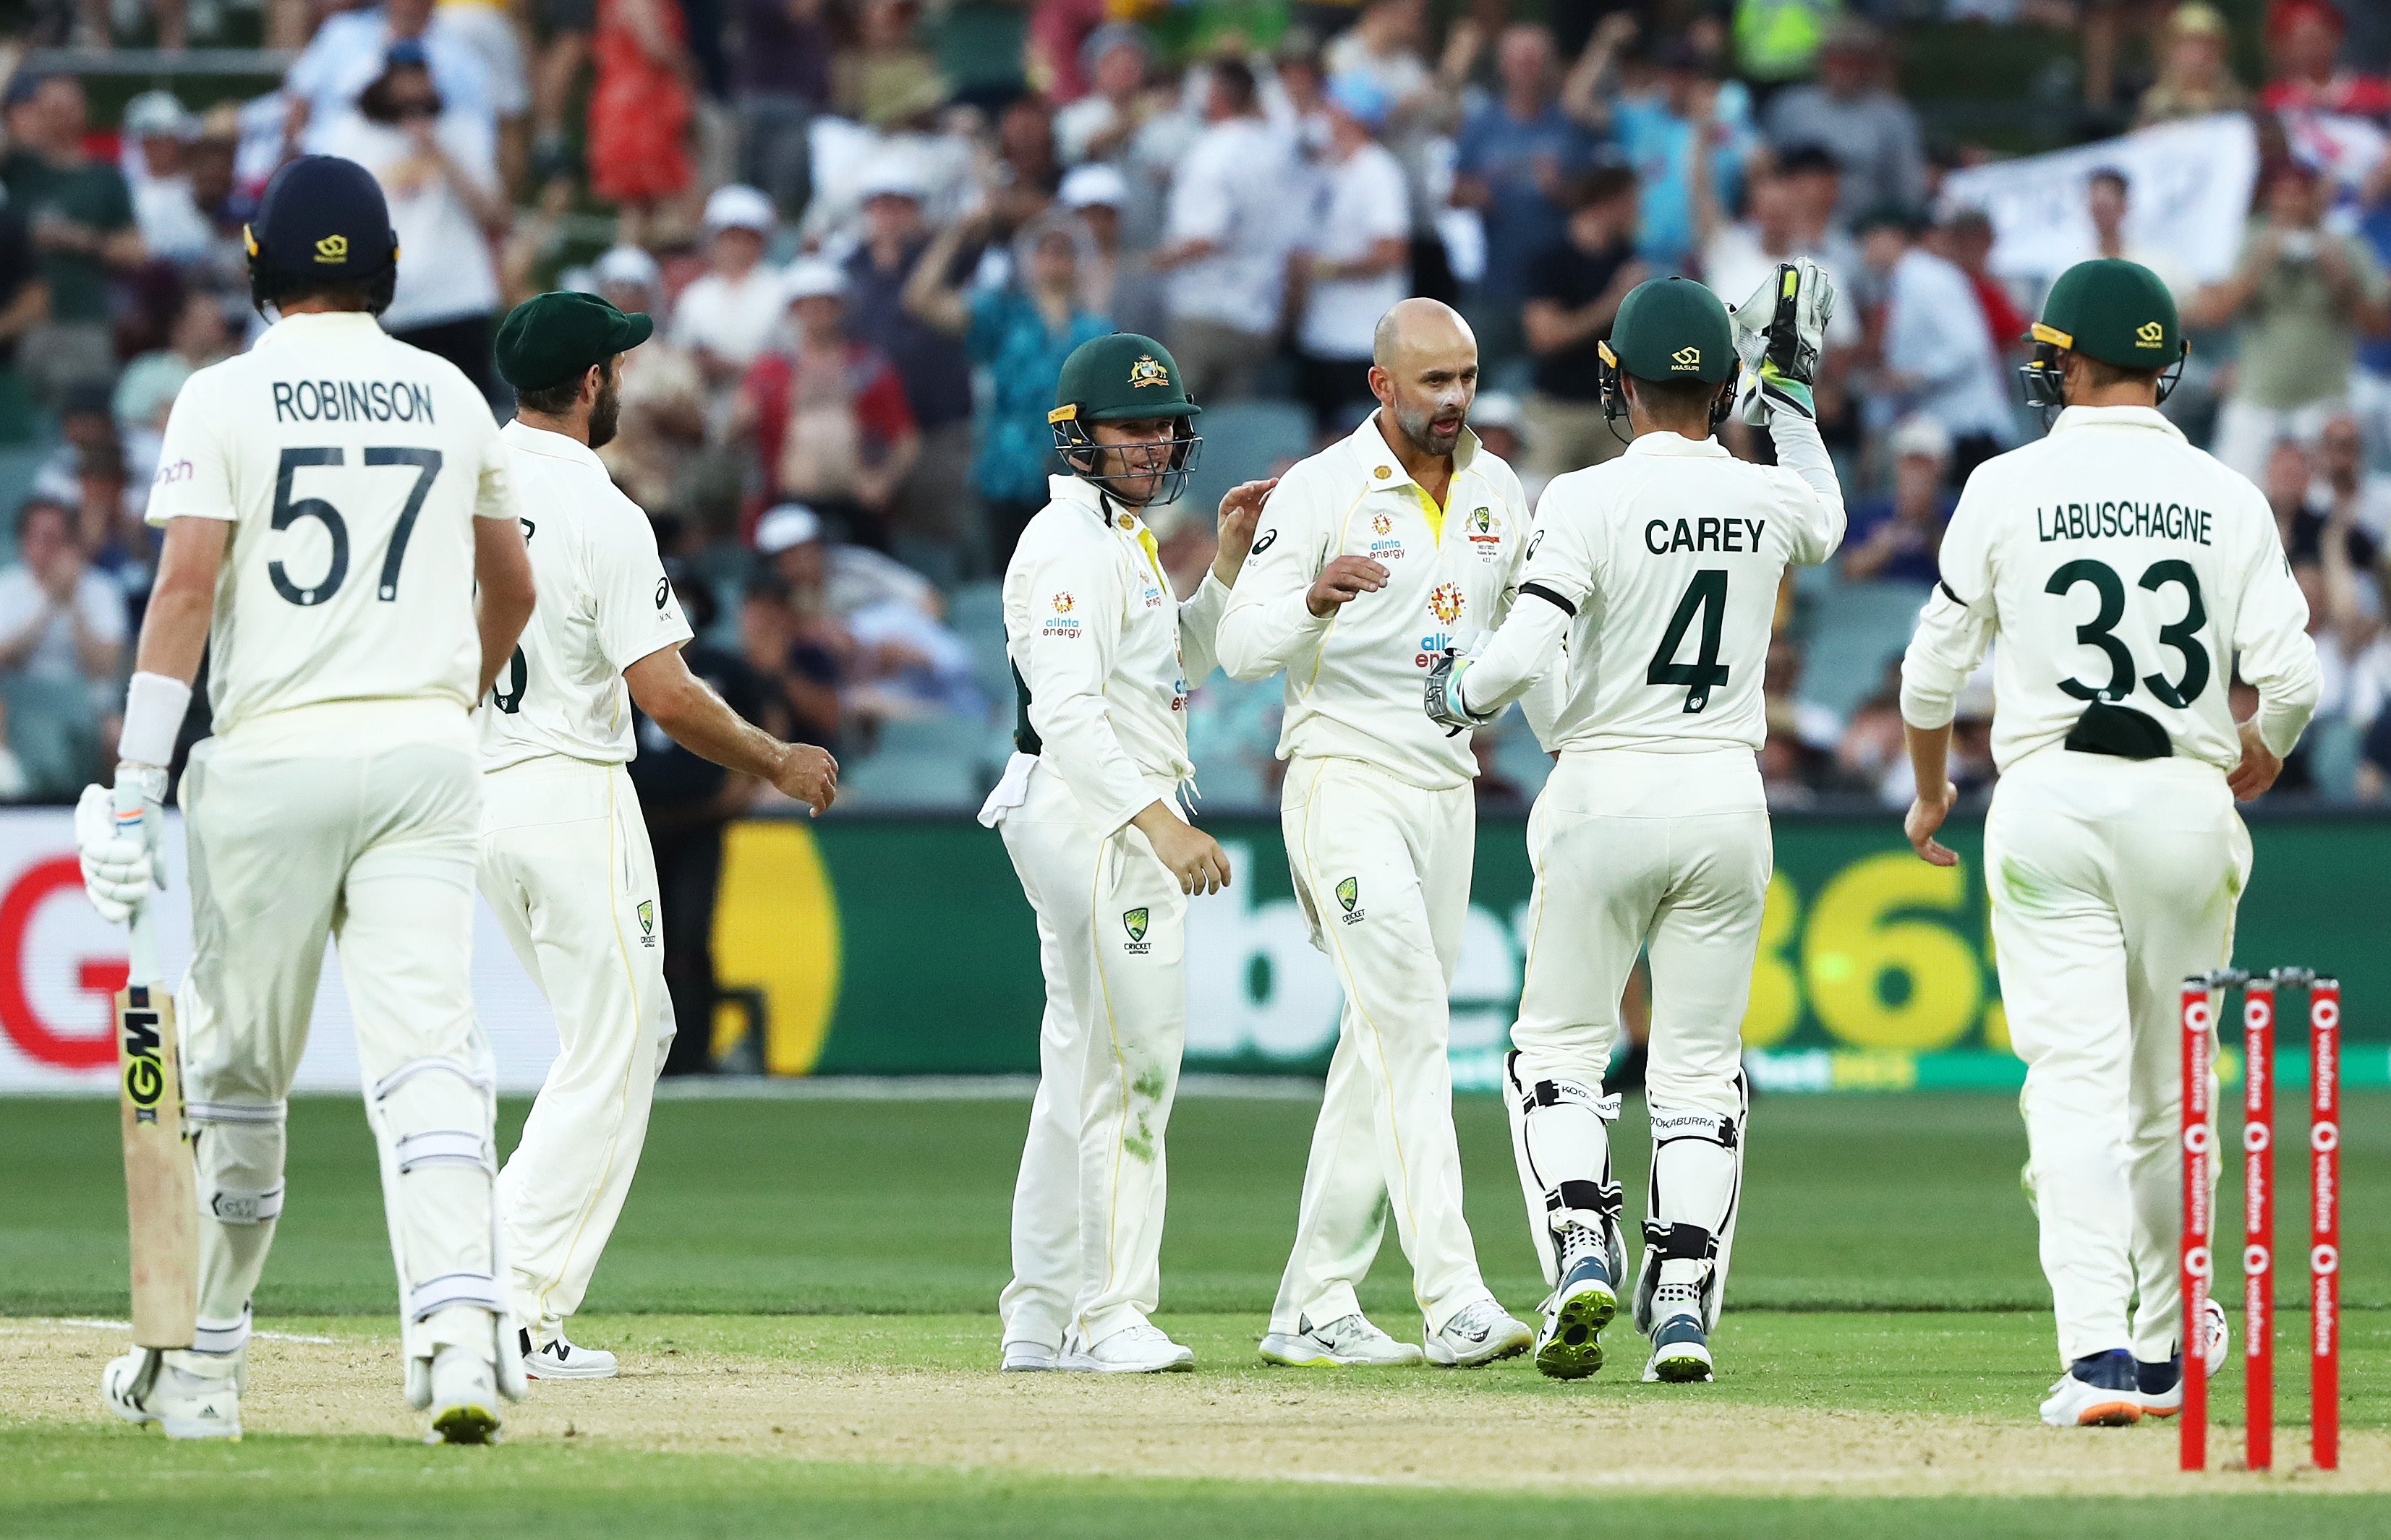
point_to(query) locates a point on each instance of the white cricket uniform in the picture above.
(565, 863)
(2116, 563)
(339, 793)
(1661, 568)
(1104, 654)
(1380, 823)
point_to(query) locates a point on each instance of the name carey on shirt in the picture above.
(351, 401)
(1706, 533)
(2120, 519)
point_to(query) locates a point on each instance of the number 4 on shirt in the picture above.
(1705, 595)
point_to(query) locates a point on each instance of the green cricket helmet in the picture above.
(2118, 312)
(1668, 330)
(1123, 378)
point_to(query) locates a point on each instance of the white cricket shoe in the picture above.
(1346, 1341)
(560, 1360)
(155, 1386)
(1478, 1334)
(1143, 1349)
(2098, 1391)
(464, 1398)
(2159, 1387)
(1023, 1357)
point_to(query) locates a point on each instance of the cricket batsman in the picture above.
(2128, 577)
(1103, 655)
(1373, 556)
(331, 499)
(564, 858)
(1659, 570)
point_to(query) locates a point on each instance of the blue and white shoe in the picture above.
(2100, 1389)
(1681, 1352)
(1568, 1346)
(2159, 1386)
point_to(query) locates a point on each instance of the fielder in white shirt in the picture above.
(2128, 578)
(1373, 556)
(1662, 569)
(564, 855)
(1103, 656)
(332, 501)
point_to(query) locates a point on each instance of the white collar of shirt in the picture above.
(1385, 469)
(554, 447)
(1678, 446)
(328, 325)
(2114, 417)
(1085, 494)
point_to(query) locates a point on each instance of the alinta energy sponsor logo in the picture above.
(1388, 547)
(1445, 600)
(1062, 622)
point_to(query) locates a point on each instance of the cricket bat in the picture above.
(161, 1196)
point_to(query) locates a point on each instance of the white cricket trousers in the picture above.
(1632, 848)
(353, 821)
(565, 864)
(1088, 1207)
(2112, 880)
(1382, 870)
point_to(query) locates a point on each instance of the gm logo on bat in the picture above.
(145, 1078)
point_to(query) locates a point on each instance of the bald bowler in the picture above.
(1371, 558)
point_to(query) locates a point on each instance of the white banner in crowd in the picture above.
(2190, 185)
(60, 965)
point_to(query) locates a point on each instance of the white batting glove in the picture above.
(119, 860)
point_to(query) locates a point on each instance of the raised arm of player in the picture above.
(692, 715)
(502, 578)
(1200, 613)
(1819, 528)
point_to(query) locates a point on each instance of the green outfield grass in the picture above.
(373, 1487)
(1885, 1265)
(1902, 1202)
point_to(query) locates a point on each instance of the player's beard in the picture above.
(1425, 434)
(606, 412)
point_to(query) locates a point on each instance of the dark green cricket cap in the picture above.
(1673, 328)
(550, 339)
(1119, 379)
(2118, 312)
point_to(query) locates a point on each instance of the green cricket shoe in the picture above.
(1570, 1344)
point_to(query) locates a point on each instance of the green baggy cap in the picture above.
(550, 339)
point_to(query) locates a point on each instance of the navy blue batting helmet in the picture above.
(324, 220)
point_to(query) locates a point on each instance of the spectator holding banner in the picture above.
(2303, 296)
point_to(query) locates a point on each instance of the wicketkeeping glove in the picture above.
(1779, 332)
(1443, 702)
(120, 860)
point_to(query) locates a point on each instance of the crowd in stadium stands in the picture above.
(871, 230)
